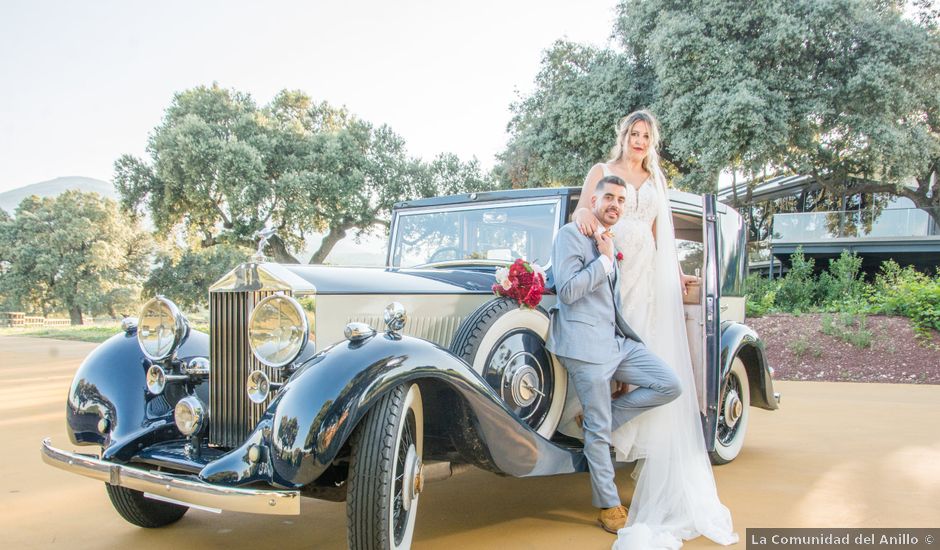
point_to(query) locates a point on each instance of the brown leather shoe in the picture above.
(612, 519)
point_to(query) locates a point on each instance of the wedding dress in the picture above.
(675, 497)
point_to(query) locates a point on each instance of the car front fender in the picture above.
(739, 340)
(320, 406)
(111, 384)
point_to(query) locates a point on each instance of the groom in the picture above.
(594, 343)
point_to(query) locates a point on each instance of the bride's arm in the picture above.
(583, 217)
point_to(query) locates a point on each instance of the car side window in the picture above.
(691, 256)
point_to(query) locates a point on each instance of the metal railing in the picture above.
(758, 252)
(900, 223)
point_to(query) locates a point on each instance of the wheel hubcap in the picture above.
(524, 383)
(733, 408)
(520, 370)
(413, 482)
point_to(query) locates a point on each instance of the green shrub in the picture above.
(842, 287)
(760, 295)
(848, 327)
(797, 289)
(907, 292)
(801, 346)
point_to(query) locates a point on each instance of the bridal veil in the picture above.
(675, 498)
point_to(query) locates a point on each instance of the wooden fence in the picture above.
(20, 319)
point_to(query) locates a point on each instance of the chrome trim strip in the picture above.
(251, 277)
(185, 490)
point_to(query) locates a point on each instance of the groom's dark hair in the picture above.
(613, 180)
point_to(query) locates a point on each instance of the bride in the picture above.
(675, 497)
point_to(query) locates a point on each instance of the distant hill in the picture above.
(10, 199)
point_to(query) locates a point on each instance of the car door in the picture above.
(711, 289)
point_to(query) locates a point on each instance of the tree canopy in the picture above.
(76, 252)
(185, 275)
(223, 168)
(569, 121)
(845, 90)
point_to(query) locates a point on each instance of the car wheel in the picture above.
(142, 511)
(505, 344)
(385, 472)
(733, 414)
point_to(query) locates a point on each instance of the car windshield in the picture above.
(495, 232)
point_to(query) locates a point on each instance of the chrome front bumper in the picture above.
(173, 488)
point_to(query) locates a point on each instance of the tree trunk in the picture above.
(934, 212)
(278, 251)
(734, 188)
(75, 314)
(336, 234)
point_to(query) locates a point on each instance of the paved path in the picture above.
(835, 454)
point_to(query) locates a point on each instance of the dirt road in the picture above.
(835, 454)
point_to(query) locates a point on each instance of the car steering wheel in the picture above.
(441, 251)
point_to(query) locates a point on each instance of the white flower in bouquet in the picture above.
(502, 277)
(538, 269)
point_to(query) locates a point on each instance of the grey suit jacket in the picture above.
(587, 314)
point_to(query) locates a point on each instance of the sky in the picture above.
(82, 83)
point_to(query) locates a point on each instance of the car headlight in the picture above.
(190, 415)
(161, 328)
(278, 330)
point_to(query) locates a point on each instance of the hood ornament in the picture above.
(263, 237)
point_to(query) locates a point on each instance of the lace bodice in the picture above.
(633, 232)
(641, 204)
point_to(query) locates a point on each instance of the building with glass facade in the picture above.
(787, 212)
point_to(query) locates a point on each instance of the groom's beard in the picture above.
(603, 215)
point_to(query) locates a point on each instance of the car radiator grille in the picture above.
(232, 415)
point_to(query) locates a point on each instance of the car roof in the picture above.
(490, 196)
(681, 200)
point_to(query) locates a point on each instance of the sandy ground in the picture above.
(835, 454)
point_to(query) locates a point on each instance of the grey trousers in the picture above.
(636, 365)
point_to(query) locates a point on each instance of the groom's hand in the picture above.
(620, 388)
(605, 244)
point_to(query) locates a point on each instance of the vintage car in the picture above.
(360, 384)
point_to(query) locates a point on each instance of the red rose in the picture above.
(526, 286)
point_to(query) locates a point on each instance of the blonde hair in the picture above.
(651, 162)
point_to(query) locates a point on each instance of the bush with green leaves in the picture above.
(849, 327)
(907, 292)
(760, 293)
(842, 289)
(797, 291)
(843, 285)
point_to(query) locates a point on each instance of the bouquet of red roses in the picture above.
(522, 281)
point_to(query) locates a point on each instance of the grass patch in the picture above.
(848, 327)
(81, 333)
(802, 347)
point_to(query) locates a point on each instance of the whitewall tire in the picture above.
(505, 344)
(733, 414)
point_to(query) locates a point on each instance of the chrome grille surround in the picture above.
(232, 414)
